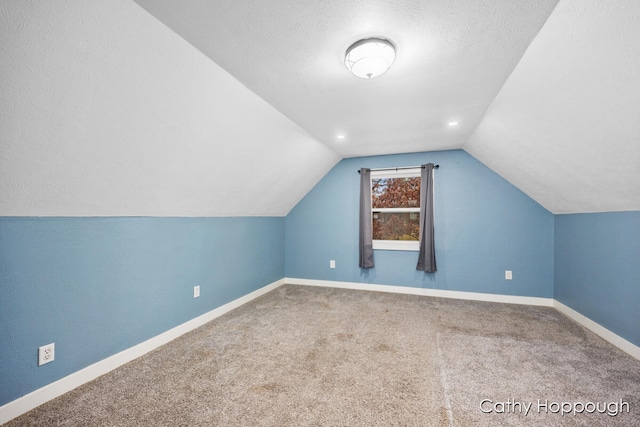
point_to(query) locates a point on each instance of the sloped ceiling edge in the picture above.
(564, 127)
(106, 112)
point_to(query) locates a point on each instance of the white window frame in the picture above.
(395, 245)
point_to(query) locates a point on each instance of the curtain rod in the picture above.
(401, 168)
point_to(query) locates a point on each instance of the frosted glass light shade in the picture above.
(370, 58)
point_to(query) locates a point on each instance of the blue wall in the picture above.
(483, 226)
(597, 269)
(97, 286)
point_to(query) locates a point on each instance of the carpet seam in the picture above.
(443, 380)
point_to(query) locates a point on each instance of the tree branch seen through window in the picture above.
(395, 208)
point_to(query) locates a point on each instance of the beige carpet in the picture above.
(306, 356)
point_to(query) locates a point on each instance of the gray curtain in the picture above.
(427, 255)
(366, 238)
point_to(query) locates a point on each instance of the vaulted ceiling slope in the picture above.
(452, 59)
(546, 97)
(565, 128)
(231, 108)
(107, 112)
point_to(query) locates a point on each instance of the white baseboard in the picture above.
(474, 296)
(603, 332)
(597, 329)
(42, 395)
(36, 398)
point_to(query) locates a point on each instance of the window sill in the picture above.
(396, 245)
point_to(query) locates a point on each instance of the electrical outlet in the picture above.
(196, 291)
(508, 275)
(46, 353)
(332, 264)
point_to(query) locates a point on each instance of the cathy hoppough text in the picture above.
(509, 406)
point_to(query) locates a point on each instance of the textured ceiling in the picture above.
(111, 109)
(452, 59)
(546, 97)
(105, 112)
(565, 128)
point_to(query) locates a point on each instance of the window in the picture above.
(395, 209)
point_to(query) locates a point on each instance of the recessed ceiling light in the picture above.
(453, 123)
(369, 58)
(340, 136)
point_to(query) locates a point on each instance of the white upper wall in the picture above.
(106, 112)
(565, 127)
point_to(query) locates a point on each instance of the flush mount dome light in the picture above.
(370, 58)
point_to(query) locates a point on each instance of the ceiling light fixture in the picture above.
(453, 123)
(369, 58)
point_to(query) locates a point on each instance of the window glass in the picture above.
(395, 209)
(396, 225)
(395, 192)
